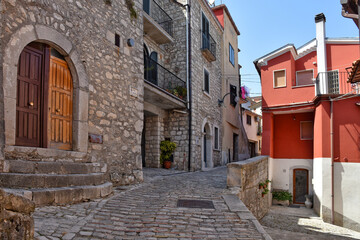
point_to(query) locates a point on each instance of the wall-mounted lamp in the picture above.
(130, 42)
(221, 101)
(357, 104)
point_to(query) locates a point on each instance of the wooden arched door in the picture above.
(44, 99)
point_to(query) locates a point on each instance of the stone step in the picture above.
(64, 195)
(21, 180)
(36, 167)
(44, 154)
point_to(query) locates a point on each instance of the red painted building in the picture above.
(311, 123)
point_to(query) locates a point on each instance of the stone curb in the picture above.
(237, 206)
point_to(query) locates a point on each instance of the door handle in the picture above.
(57, 110)
(31, 104)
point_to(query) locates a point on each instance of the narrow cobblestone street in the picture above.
(149, 211)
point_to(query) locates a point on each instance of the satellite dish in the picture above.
(211, 2)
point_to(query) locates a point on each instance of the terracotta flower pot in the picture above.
(167, 164)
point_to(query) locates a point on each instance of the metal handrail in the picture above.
(208, 43)
(161, 17)
(157, 75)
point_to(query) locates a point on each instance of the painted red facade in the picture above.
(284, 104)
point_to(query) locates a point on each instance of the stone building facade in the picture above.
(88, 90)
(104, 103)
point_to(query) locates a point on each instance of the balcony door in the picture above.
(205, 33)
(153, 68)
(146, 6)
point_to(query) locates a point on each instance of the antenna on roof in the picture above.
(212, 3)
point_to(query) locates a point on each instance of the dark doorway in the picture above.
(301, 185)
(143, 150)
(153, 68)
(235, 147)
(252, 149)
(205, 148)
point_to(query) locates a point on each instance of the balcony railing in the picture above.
(209, 45)
(159, 76)
(336, 83)
(160, 16)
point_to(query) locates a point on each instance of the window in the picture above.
(279, 78)
(206, 81)
(216, 140)
(233, 95)
(231, 55)
(306, 130)
(205, 33)
(304, 77)
(248, 119)
(259, 145)
(117, 40)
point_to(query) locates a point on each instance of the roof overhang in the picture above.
(354, 75)
(350, 9)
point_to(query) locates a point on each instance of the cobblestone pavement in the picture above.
(302, 224)
(149, 211)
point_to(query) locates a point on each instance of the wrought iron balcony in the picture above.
(161, 78)
(160, 25)
(208, 47)
(335, 82)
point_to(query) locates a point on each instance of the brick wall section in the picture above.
(246, 175)
(112, 71)
(16, 220)
(153, 136)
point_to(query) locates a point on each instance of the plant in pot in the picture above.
(281, 197)
(167, 149)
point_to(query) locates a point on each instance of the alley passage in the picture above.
(149, 211)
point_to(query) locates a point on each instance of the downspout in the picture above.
(188, 72)
(332, 158)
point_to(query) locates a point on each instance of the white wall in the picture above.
(281, 172)
(347, 194)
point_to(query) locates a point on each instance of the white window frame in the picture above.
(306, 70)
(218, 138)
(301, 138)
(279, 70)
(205, 92)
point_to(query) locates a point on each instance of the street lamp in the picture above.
(221, 101)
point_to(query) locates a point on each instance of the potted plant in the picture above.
(282, 197)
(167, 149)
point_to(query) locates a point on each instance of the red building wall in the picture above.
(347, 130)
(287, 141)
(285, 95)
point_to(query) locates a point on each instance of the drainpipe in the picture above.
(332, 158)
(188, 72)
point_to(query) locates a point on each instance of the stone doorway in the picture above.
(207, 161)
(300, 185)
(44, 106)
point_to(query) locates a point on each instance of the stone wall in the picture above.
(244, 177)
(114, 94)
(16, 220)
(205, 108)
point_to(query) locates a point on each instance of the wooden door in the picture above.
(28, 101)
(301, 185)
(60, 105)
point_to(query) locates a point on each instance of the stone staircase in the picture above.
(53, 177)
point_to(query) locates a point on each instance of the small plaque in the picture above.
(133, 92)
(95, 138)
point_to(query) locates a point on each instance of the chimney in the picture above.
(321, 52)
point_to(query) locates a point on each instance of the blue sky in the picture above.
(266, 25)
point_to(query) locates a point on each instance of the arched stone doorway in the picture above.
(207, 161)
(54, 39)
(44, 100)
